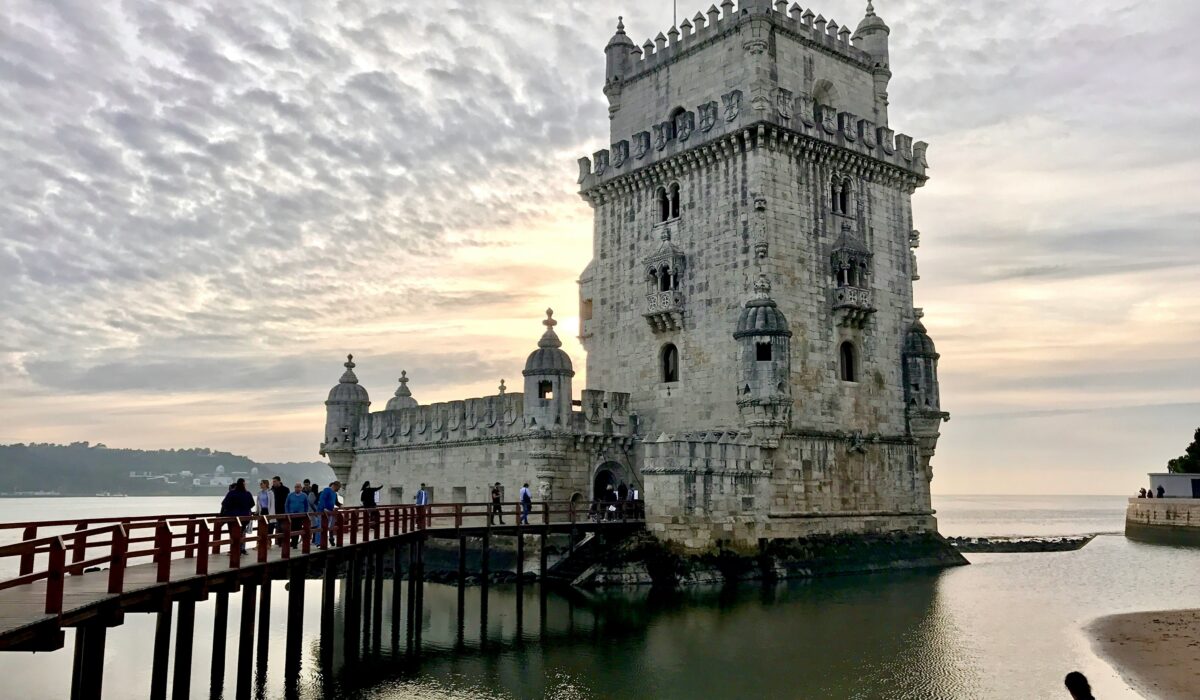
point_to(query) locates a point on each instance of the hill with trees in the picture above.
(84, 469)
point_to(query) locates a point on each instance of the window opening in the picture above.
(670, 363)
(545, 390)
(675, 200)
(664, 205)
(847, 356)
(762, 352)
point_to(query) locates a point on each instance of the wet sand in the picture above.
(1157, 653)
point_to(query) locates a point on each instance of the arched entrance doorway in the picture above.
(607, 474)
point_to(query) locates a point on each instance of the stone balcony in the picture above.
(664, 311)
(853, 306)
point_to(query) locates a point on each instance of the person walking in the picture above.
(327, 503)
(314, 495)
(1162, 493)
(279, 496)
(497, 508)
(526, 503)
(265, 499)
(421, 500)
(370, 500)
(240, 504)
(610, 503)
(296, 505)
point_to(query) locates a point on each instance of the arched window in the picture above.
(664, 204)
(847, 359)
(844, 198)
(835, 197)
(545, 390)
(664, 279)
(762, 351)
(675, 200)
(670, 363)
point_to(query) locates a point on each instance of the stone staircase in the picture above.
(575, 568)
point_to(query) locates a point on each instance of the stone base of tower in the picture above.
(705, 491)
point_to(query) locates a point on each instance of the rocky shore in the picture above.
(643, 560)
(1157, 653)
(1007, 545)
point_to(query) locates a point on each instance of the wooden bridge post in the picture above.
(30, 533)
(160, 663)
(484, 566)
(542, 560)
(220, 626)
(118, 548)
(185, 627)
(264, 631)
(245, 665)
(520, 563)
(367, 590)
(377, 622)
(87, 673)
(397, 588)
(55, 572)
(353, 611)
(295, 619)
(412, 593)
(327, 602)
(420, 589)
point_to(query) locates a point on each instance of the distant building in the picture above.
(755, 365)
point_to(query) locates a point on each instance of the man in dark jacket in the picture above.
(239, 503)
(279, 495)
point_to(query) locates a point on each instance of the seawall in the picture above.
(1164, 520)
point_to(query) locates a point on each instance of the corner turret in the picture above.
(403, 397)
(764, 394)
(921, 392)
(872, 36)
(347, 403)
(618, 62)
(548, 373)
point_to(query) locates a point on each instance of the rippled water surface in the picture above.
(1009, 626)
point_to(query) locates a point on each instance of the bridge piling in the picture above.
(87, 675)
(295, 620)
(264, 636)
(220, 624)
(245, 663)
(352, 620)
(397, 589)
(162, 650)
(185, 627)
(377, 621)
(420, 605)
(412, 596)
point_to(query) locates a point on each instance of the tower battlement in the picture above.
(805, 25)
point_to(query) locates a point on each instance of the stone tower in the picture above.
(751, 157)
(347, 404)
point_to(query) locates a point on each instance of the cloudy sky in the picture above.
(205, 205)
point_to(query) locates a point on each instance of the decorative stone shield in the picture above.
(685, 124)
(641, 144)
(807, 109)
(660, 136)
(620, 153)
(733, 105)
(708, 115)
(866, 131)
(783, 103)
(829, 119)
(601, 159)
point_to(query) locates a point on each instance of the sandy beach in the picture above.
(1158, 653)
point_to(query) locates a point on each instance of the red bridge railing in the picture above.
(164, 540)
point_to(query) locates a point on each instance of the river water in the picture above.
(1008, 626)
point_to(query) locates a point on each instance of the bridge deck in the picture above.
(24, 624)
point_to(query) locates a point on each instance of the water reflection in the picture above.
(849, 637)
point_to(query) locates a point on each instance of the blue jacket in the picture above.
(296, 503)
(328, 499)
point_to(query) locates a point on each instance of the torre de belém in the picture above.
(755, 365)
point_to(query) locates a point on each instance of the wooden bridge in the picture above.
(86, 574)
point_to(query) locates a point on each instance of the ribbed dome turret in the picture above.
(918, 343)
(620, 38)
(761, 316)
(549, 358)
(403, 397)
(348, 389)
(872, 21)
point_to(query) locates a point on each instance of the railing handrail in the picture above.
(196, 534)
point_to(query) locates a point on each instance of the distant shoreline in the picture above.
(1157, 652)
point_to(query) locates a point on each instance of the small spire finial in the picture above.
(403, 376)
(870, 8)
(620, 24)
(550, 322)
(349, 362)
(502, 387)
